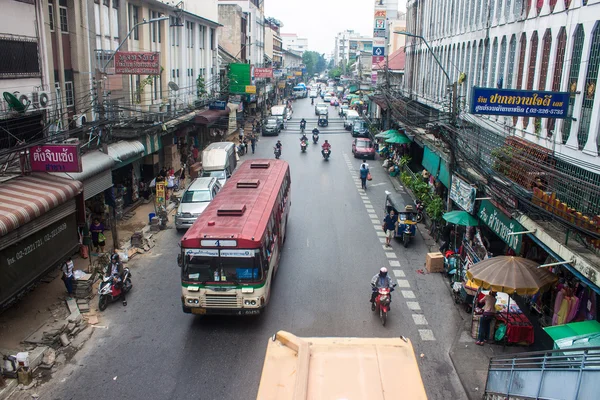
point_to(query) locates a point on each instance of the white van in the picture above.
(281, 113)
(219, 161)
(349, 118)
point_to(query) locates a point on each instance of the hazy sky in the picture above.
(321, 20)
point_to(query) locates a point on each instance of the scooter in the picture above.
(302, 127)
(303, 146)
(382, 302)
(109, 291)
(326, 154)
(277, 152)
(419, 210)
(315, 138)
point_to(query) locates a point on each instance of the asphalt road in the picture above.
(151, 350)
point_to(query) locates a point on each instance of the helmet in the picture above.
(279, 141)
(383, 272)
(326, 141)
(115, 258)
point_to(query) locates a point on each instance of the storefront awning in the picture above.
(180, 120)
(124, 152)
(25, 198)
(209, 117)
(431, 161)
(92, 163)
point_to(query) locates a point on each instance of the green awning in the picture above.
(444, 175)
(431, 161)
(398, 139)
(559, 332)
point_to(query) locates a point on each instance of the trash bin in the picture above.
(150, 216)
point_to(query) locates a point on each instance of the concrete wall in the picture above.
(206, 8)
(230, 16)
(269, 41)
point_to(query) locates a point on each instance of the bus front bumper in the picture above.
(222, 311)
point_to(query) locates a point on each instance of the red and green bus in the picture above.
(230, 255)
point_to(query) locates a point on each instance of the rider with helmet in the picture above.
(115, 269)
(326, 146)
(303, 124)
(381, 280)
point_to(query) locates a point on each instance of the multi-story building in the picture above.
(273, 42)
(232, 35)
(292, 60)
(396, 42)
(348, 45)
(255, 29)
(546, 45)
(291, 41)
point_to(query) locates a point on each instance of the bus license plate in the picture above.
(199, 311)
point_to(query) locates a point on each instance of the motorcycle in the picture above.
(303, 146)
(382, 302)
(110, 291)
(315, 138)
(419, 210)
(326, 154)
(302, 127)
(277, 152)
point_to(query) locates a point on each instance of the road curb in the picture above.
(456, 364)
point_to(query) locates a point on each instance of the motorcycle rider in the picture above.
(315, 134)
(302, 124)
(304, 138)
(115, 269)
(278, 146)
(326, 146)
(381, 280)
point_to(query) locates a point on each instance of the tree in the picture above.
(335, 73)
(331, 64)
(314, 62)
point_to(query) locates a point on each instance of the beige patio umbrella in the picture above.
(511, 275)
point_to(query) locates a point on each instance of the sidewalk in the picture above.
(470, 360)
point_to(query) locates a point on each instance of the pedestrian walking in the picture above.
(253, 143)
(364, 173)
(98, 238)
(389, 227)
(67, 275)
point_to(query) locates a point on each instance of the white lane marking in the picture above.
(379, 233)
(419, 319)
(307, 242)
(398, 273)
(382, 240)
(394, 263)
(413, 305)
(403, 283)
(376, 222)
(390, 255)
(384, 247)
(426, 334)
(373, 215)
(364, 197)
(369, 208)
(408, 294)
(367, 202)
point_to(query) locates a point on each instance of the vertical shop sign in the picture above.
(501, 225)
(160, 193)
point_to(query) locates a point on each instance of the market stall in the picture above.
(507, 276)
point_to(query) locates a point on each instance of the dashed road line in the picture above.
(390, 255)
(379, 233)
(403, 283)
(398, 273)
(394, 263)
(426, 334)
(408, 294)
(419, 319)
(413, 305)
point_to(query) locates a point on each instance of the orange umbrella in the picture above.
(511, 275)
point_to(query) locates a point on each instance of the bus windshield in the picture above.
(212, 268)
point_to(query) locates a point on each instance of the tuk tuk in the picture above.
(323, 120)
(407, 221)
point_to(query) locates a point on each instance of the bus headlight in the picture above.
(251, 303)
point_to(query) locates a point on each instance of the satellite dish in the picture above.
(173, 86)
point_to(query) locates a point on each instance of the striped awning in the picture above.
(25, 198)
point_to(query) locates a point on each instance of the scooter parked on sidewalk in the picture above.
(419, 209)
(111, 288)
(382, 302)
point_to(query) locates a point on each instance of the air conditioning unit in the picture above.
(24, 98)
(40, 100)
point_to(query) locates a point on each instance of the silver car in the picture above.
(195, 200)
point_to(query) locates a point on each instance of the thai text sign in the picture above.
(160, 192)
(463, 194)
(263, 72)
(55, 158)
(239, 78)
(137, 62)
(519, 103)
(501, 225)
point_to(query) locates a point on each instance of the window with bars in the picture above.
(546, 45)
(466, 19)
(512, 53)
(69, 94)
(507, 10)
(567, 4)
(531, 71)
(484, 12)
(472, 81)
(519, 7)
(558, 70)
(461, 12)
(471, 18)
(578, 39)
(486, 62)
(134, 18)
(589, 89)
(477, 13)
(527, 7)
(502, 64)
(51, 17)
(492, 81)
(153, 27)
(498, 10)
(479, 60)
(63, 19)
(552, 5)
(521, 66)
(19, 58)
(539, 5)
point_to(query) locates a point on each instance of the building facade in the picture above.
(291, 41)
(273, 42)
(549, 167)
(255, 29)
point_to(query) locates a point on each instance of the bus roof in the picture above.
(241, 213)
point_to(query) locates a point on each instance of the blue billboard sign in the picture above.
(217, 105)
(519, 103)
(378, 51)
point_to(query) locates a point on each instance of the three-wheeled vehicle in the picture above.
(323, 120)
(407, 221)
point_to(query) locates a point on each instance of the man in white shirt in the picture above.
(67, 270)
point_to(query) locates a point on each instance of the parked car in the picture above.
(195, 200)
(363, 148)
(272, 126)
(359, 129)
(321, 108)
(327, 97)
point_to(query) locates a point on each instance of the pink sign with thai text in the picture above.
(55, 158)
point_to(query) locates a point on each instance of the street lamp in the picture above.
(428, 47)
(242, 49)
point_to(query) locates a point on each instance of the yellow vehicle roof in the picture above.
(340, 368)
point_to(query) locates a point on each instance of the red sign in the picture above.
(378, 59)
(55, 158)
(263, 72)
(380, 13)
(137, 63)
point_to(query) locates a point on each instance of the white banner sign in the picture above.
(218, 243)
(237, 253)
(202, 252)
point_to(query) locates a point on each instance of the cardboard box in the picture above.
(434, 262)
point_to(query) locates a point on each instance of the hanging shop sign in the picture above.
(137, 62)
(281, 85)
(263, 72)
(160, 193)
(379, 51)
(277, 73)
(217, 105)
(239, 78)
(379, 33)
(519, 103)
(250, 89)
(55, 158)
(463, 194)
(502, 225)
(298, 73)
(378, 59)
